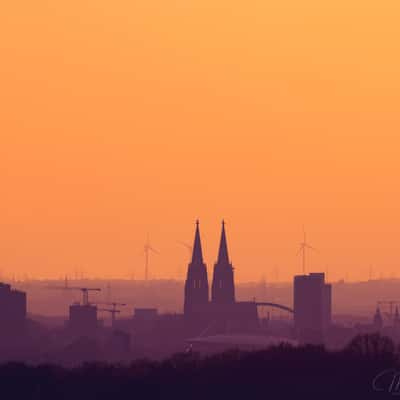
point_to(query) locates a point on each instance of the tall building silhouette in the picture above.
(312, 307)
(223, 287)
(196, 285)
(12, 312)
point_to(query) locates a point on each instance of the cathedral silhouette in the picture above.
(223, 314)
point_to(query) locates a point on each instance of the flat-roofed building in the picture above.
(12, 309)
(83, 319)
(312, 307)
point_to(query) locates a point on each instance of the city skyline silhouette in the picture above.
(199, 199)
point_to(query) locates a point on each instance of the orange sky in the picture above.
(122, 117)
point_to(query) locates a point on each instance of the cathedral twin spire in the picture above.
(196, 285)
(223, 247)
(223, 286)
(197, 254)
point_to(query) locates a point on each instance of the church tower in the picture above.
(196, 285)
(378, 321)
(223, 287)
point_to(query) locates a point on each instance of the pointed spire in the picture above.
(197, 255)
(397, 316)
(378, 318)
(223, 247)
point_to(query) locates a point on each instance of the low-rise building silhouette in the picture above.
(83, 319)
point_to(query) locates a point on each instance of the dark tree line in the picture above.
(282, 372)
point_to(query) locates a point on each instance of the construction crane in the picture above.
(85, 291)
(113, 311)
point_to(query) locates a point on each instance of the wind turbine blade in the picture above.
(153, 250)
(301, 249)
(188, 246)
(310, 247)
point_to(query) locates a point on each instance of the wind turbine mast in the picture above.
(147, 249)
(303, 247)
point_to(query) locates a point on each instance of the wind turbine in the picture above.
(147, 249)
(303, 247)
(189, 249)
(188, 246)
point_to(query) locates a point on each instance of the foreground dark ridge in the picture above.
(277, 373)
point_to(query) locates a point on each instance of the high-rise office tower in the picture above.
(312, 307)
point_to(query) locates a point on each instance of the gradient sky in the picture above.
(122, 117)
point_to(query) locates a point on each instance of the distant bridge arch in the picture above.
(275, 305)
